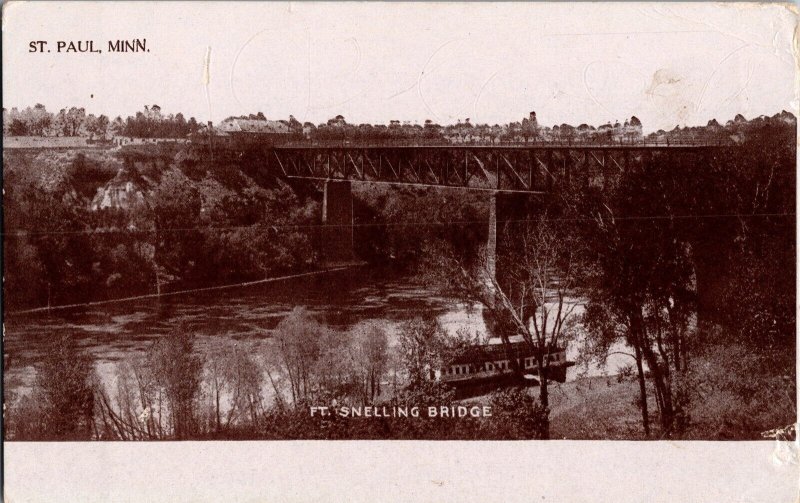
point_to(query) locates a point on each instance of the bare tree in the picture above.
(533, 292)
(233, 375)
(298, 339)
(370, 357)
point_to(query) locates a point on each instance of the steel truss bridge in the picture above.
(518, 168)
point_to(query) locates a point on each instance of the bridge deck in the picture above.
(523, 147)
(533, 168)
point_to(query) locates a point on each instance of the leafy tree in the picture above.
(63, 392)
(516, 415)
(177, 370)
(643, 287)
(96, 127)
(55, 227)
(17, 128)
(175, 210)
(69, 122)
(151, 123)
(422, 350)
(40, 120)
(425, 348)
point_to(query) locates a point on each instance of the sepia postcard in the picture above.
(306, 251)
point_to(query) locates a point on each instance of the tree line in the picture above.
(74, 121)
(152, 123)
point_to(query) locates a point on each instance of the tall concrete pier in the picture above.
(509, 214)
(337, 223)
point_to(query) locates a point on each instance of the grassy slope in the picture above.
(721, 409)
(595, 408)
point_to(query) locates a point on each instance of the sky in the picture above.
(667, 64)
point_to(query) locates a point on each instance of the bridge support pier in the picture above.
(336, 236)
(509, 213)
(491, 242)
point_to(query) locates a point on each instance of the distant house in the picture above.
(122, 141)
(250, 131)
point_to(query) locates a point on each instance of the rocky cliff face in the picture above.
(124, 192)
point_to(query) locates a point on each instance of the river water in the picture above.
(115, 331)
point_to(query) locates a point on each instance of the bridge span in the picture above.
(515, 177)
(532, 169)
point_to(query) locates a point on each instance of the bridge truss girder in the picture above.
(509, 169)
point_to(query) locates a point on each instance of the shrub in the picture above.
(516, 415)
(61, 403)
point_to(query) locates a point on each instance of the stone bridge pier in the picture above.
(509, 213)
(336, 236)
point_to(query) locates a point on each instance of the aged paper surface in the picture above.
(513, 251)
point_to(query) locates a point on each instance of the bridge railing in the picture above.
(561, 142)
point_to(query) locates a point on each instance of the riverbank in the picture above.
(732, 403)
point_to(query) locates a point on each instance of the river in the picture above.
(115, 331)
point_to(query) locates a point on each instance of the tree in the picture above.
(156, 393)
(298, 338)
(64, 392)
(18, 128)
(425, 348)
(535, 293)
(178, 372)
(37, 120)
(516, 415)
(102, 125)
(541, 287)
(337, 121)
(138, 411)
(117, 127)
(232, 372)
(97, 127)
(643, 287)
(294, 125)
(174, 210)
(567, 132)
(370, 345)
(422, 348)
(530, 128)
(69, 122)
(62, 248)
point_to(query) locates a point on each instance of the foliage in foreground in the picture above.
(174, 391)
